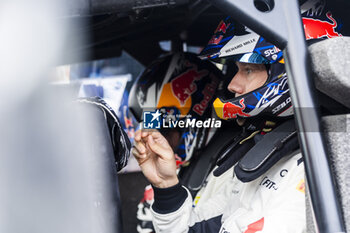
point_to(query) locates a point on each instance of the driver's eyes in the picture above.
(248, 70)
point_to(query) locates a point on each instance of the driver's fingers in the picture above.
(140, 147)
(159, 148)
(137, 135)
(134, 151)
(156, 135)
(137, 154)
(146, 132)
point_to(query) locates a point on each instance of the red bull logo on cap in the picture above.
(183, 86)
(232, 110)
(315, 28)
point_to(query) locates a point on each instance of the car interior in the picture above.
(110, 43)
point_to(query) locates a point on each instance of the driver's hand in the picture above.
(156, 158)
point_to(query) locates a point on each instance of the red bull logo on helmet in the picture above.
(221, 28)
(183, 86)
(315, 28)
(232, 110)
(208, 94)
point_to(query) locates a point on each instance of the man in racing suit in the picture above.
(244, 193)
(274, 202)
(179, 84)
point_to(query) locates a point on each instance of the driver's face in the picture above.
(248, 78)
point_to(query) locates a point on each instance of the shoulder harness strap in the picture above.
(267, 152)
(202, 165)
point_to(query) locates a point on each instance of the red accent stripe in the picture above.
(256, 226)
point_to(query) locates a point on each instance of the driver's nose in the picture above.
(237, 85)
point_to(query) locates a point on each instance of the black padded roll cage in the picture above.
(280, 22)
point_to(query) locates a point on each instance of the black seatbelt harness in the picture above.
(252, 153)
(281, 142)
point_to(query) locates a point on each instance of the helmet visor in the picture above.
(249, 58)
